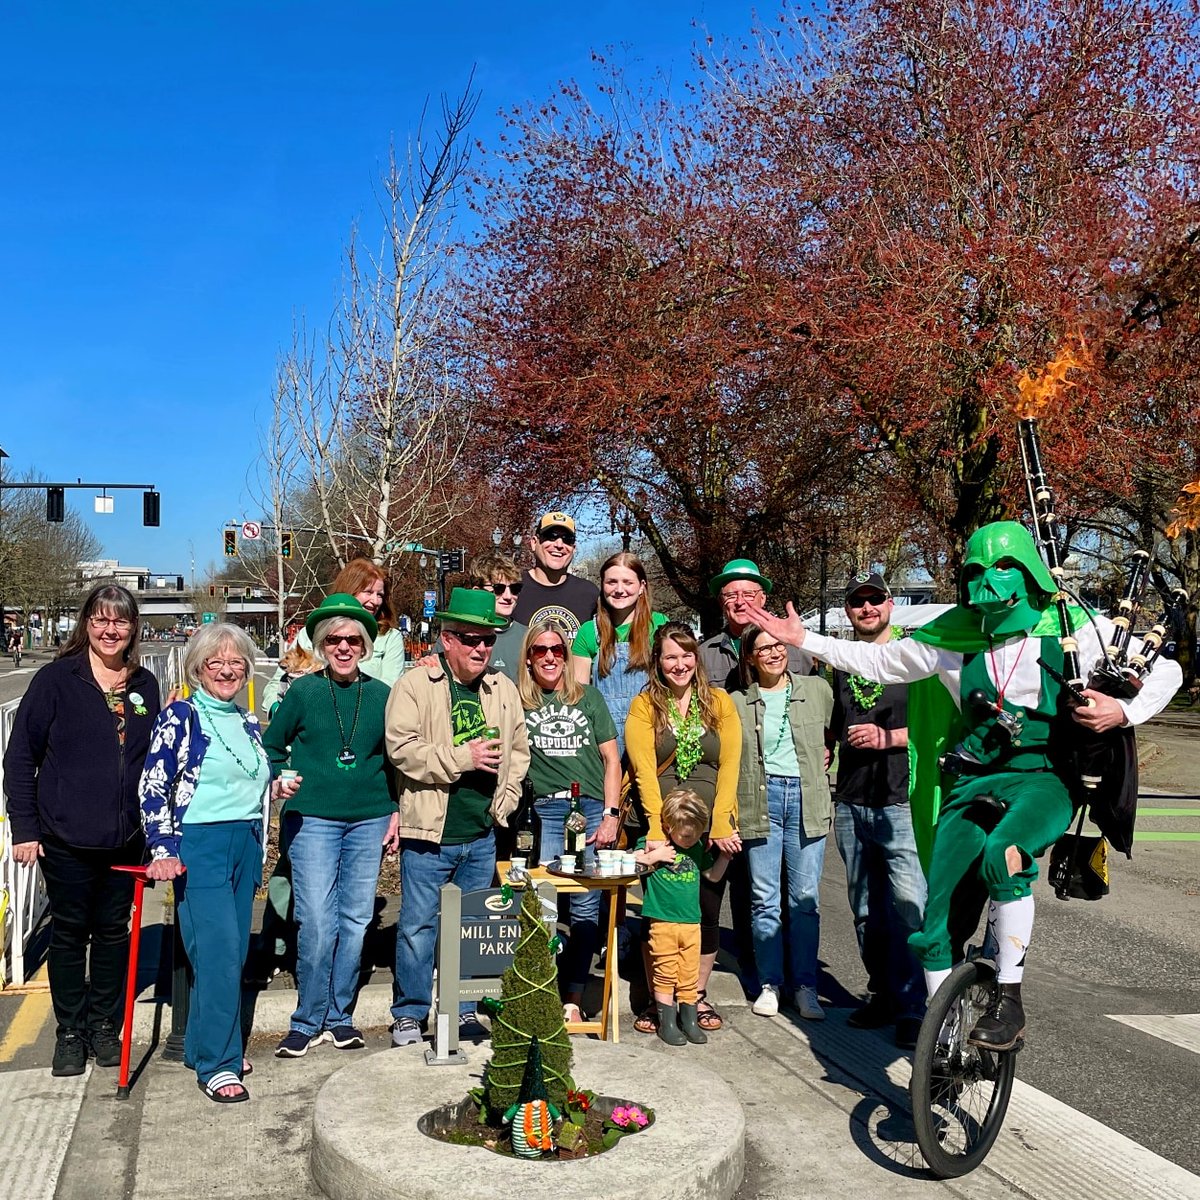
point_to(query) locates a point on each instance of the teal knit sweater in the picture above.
(306, 723)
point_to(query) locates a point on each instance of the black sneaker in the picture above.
(106, 1045)
(470, 1028)
(875, 1014)
(908, 1029)
(295, 1044)
(70, 1054)
(346, 1037)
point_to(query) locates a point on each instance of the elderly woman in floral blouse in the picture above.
(205, 796)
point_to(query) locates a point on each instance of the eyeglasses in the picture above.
(770, 651)
(471, 640)
(500, 588)
(739, 597)
(118, 623)
(215, 666)
(874, 599)
(567, 539)
(558, 650)
(353, 640)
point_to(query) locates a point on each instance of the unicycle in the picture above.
(959, 1092)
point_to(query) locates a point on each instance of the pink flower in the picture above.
(620, 1116)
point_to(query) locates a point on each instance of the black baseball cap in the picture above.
(866, 581)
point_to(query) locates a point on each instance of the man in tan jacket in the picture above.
(456, 736)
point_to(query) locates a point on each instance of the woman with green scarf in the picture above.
(683, 733)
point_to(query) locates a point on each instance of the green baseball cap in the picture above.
(472, 606)
(735, 569)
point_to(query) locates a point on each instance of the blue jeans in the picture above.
(576, 963)
(786, 848)
(335, 867)
(424, 867)
(886, 888)
(215, 898)
(618, 688)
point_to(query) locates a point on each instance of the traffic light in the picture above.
(246, 593)
(225, 590)
(231, 543)
(212, 590)
(150, 508)
(285, 544)
(55, 508)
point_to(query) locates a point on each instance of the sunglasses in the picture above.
(353, 640)
(558, 650)
(874, 599)
(567, 539)
(500, 588)
(471, 640)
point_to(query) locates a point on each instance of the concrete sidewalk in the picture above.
(826, 1116)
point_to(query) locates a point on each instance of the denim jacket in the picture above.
(172, 770)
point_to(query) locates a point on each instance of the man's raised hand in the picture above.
(788, 629)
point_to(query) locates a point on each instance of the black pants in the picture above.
(89, 907)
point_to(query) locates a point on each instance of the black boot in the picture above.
(1002, 1026)
(668, 1025)
(690, 1026)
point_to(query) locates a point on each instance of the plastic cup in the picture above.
(519, 864)
(566, 862)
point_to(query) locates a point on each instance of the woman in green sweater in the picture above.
(340, 810)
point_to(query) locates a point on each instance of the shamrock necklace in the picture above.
(347, 760)
(866, 692)
(252, 774)
(688, 732)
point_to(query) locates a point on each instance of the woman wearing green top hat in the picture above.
(340, 814)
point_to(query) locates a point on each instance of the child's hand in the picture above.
(664, 852)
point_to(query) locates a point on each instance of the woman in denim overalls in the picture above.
(612, 651)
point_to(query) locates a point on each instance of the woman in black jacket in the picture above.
(71, 775)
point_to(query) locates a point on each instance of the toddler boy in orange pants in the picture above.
(671, 905)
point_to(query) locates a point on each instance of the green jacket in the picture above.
(811, 710)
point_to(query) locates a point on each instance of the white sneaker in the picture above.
(767, 1004)
(808, 1005)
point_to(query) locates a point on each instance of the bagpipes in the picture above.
(1103, 774)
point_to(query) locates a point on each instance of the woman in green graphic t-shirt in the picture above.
(572, 739)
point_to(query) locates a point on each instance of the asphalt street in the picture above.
(1112, 993)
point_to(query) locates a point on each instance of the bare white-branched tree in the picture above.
(375, 410)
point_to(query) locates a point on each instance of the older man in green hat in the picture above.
(739, 585)
(455, 732)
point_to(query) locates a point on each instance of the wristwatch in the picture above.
(612, 812)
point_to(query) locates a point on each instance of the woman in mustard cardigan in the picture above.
(683, 733)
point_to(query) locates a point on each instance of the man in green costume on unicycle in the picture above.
(991, 758)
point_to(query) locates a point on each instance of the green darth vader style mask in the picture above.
(1004, 579)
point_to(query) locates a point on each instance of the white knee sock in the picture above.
(1010, 926)
(935, 979)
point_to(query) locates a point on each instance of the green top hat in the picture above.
(735, 569)
(342, 604)
(472, 606)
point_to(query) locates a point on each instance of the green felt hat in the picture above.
(342, 604)
(472, 606)
(739, 568)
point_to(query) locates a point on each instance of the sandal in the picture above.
(707, 1016)
(224, 1079)
(647, 1020)
(247, 1067)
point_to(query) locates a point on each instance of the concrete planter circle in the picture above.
(366, 1144)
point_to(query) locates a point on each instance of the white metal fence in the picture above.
(22, 890)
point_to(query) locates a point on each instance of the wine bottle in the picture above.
(527, 831)
(575, 840)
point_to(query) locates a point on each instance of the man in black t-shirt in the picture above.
(873, 825)
(549, 591)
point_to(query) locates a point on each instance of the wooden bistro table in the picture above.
(608, 1024)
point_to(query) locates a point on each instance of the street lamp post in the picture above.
(3, 626)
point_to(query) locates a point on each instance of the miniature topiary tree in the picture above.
(529, 1008)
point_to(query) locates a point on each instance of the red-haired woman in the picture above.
(366, 582)
(612, 651)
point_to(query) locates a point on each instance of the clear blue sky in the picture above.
(179, 178)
